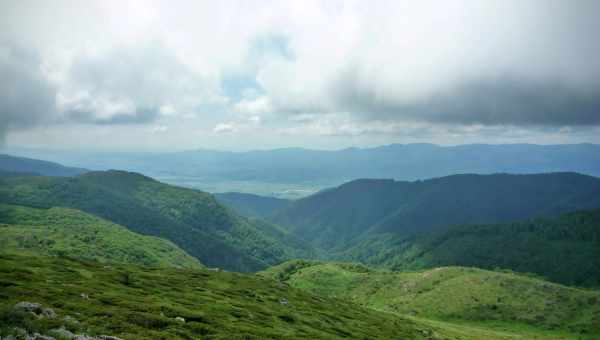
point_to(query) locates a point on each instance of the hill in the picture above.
(219, 171)
(69, 232)
(150, 303)
(251, 205)
(192, 219)
(345, 215)
(14, 164)
(564, 249)
(452, 294)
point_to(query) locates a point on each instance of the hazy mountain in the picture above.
(251, 205)
(316, 169)
(12, 164)
(192, 219)
(355, 210)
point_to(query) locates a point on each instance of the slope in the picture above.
(16, 164)
(454, 294)
(150, 303)
(192, 219)
(251, 205)
(341, 216)
(564, 249)
(68, 232)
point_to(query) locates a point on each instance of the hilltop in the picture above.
(14, 164)
(451, 294)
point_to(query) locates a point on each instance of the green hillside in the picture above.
(251, 205)
(564, 249)
(342, 216)
(144, 303)
(192, 219)
(453, 294)
(68, 232)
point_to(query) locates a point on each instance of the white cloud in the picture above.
(224, 128)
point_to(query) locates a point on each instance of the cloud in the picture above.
(225, 128)
(26, 97)
(336, 68)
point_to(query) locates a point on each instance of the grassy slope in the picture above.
(142, 303)
(564, 249)
(192, 219)
(454, 294)
(69, 232)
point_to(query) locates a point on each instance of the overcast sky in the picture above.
(238, 75)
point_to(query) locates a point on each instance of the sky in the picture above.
(240, 75)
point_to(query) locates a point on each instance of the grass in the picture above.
(454, 294)
(135, 302)
(63, 231)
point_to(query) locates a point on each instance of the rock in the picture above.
(62, 333)
(36, 309)
(32, 307)
(48, 313)
(70, 319)
(84, 296)
(284, 301)
(108, 337)
(38, 336)
(180, 319)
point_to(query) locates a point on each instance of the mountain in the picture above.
(191, 219)
(345, 215)
(251, 205)
(454, 294)
(12, 164)
(564, 249)
(275, 172)
(69, 232)
(133, 302)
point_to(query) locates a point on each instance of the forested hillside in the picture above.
(192, 219)
(251, 205)
(564, 249)
(345, 215)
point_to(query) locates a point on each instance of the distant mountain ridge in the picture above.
(353, 211)
(329, 168)
(11, 165)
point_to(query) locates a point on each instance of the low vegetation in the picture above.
(453, 294)
(69, 232)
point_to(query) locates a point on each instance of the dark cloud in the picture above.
(505, 101)
(26, 98)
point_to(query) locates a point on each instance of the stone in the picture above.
(283, 301)
(180, 319)
(29, 307)
(62, 333)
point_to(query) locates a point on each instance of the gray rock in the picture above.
(29, 307)
(38, 336)
(48, 313)
(283, 301)
(62, 333)
(180, 319)
(70, 319)
(108, 337)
